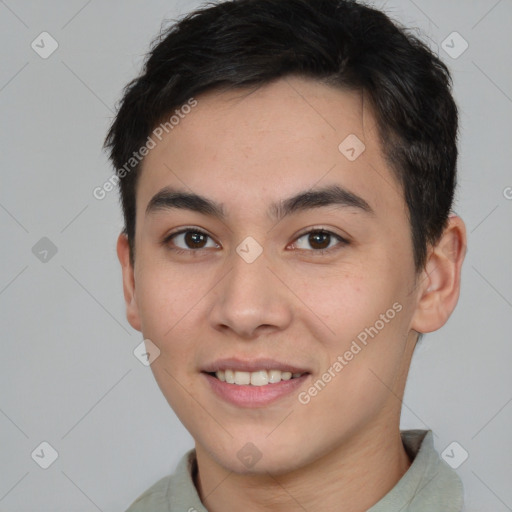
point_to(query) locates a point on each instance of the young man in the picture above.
(287, 170)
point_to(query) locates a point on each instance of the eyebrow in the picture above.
(333, 195)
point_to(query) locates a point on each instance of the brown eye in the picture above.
(195, 240)
(189, 240)
(320, 241)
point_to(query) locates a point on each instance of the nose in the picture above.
(251, 300)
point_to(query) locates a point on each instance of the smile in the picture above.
(257, 378)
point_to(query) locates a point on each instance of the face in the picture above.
(232, 274)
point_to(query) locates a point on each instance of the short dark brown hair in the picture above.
(249, 43)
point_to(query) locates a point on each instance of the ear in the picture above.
(132, 309)
(439, 283)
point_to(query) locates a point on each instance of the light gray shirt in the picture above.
(429, 485)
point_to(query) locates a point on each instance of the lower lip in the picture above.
(254, 396)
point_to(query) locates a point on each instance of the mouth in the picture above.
(256, 378)
(254, 383)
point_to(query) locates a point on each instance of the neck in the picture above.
(357, 474)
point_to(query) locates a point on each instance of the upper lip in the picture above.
(253, 365)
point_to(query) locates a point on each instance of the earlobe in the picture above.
(132, 310)
(439, 283)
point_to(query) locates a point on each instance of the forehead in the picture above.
(252, 147)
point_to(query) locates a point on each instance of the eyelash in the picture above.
(316, 252)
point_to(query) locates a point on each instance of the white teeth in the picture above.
(274, 376)
(259, 378)
(242, 378)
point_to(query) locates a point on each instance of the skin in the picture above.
(245, 150)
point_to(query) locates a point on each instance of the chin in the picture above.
(261, 456)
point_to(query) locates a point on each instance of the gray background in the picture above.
(68, 375)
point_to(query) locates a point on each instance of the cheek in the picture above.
(165, 297)
(368, 319)
(166, 301)
(347, 300)
(362, 376)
